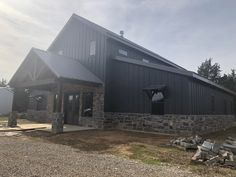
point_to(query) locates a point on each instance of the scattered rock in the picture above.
(190, 143)
(214, 154)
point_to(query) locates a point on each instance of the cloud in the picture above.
(186, 32)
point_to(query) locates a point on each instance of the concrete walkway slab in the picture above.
(25, 127)
(70, 128)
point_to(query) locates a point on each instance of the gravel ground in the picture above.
(27, 158)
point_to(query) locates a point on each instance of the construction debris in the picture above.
(208, 152)
(190, 143)
(213, 154)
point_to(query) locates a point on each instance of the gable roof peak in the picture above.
(123, 40)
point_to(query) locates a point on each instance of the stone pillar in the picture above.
(12, 119)
(57, 123)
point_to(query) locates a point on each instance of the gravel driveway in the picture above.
(26, 158)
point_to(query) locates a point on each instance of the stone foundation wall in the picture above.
(176, 124)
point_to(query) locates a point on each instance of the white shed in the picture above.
(6, 98)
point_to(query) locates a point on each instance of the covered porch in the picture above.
(47, 85)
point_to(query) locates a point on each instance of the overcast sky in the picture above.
(183, 31)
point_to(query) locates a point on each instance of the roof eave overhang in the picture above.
(196, 76)
(77, 81)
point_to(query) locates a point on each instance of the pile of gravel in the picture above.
(28, 158)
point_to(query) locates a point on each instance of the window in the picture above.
(60, 52)
(92, 50)
(87, 104)
(145, 60)
(212, 104)
(77, 104)
(55, 102)
(41, 102)
(157, 103)
(123, 52)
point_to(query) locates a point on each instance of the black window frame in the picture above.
(158, 107)
(92, 48)
(55, 99)
(123, 52)
(87, 103)
(41, 102)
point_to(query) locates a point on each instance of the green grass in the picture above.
(145, 154)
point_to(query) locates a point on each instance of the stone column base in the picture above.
(12, 119)
(57, 123)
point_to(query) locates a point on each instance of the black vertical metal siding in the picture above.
(74, 41)
(126, 83)
(200, 99)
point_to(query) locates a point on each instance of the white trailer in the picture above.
(6, 98)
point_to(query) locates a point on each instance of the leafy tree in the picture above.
(209, 70)
(3, 83)
(229, 80)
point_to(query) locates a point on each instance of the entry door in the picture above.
(72, 105)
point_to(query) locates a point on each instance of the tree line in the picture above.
(212, 71)
(3, 82)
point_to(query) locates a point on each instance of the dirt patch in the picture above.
(144, 147)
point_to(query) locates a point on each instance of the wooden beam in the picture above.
(35, 83)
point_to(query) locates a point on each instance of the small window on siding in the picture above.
(123, 52)
(145, 60)
(92, 50)
(60, 52)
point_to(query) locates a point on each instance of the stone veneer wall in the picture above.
(177, 124)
